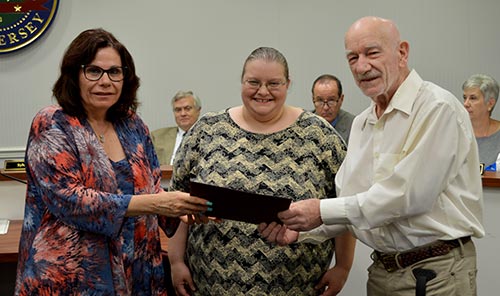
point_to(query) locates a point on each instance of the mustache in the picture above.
(367, 75)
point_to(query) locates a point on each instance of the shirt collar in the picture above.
(180, 131)
(402, 100)
(334, 122)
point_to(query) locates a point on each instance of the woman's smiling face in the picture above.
(100, 95)
(264, 88)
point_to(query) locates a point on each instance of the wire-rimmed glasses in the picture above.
(270, 85)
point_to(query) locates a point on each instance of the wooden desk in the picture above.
(9, 242)
(491, 179)
(166, 173)
(16, 174)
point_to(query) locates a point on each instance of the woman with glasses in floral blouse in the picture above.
(94, 204)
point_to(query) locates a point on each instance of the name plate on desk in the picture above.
(14, 165)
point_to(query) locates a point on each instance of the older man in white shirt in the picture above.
(410, 186)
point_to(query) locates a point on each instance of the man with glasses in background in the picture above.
(186, 107)
(327, 98)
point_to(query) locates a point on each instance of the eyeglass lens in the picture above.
(321, 103)
(271, 85)
(94, 73)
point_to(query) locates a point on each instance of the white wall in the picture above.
(12, 197)
(201, 45)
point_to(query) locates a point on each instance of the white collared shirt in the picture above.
(178, 140)
(410, 177)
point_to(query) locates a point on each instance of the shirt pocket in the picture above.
(384, 164)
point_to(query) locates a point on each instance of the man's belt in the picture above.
(395, 261)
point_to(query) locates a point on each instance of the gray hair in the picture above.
(267, 54)
(486, 84)
(187, 93)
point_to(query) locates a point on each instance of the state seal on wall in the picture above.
(24, 21)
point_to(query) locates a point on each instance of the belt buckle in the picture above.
(389, 262)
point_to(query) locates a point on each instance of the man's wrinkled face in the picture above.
(326, 100)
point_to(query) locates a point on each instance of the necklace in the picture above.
(101, 137)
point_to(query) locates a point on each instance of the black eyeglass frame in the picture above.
(84, 68)
(329, 103)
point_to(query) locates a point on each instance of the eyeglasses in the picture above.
(94, 73)
(271, 85)
(321, 103)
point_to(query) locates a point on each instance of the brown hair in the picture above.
(268, 54)
(82, 51)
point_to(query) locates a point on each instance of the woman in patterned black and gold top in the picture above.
(264, 147)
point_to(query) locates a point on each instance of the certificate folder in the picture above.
(239, 205)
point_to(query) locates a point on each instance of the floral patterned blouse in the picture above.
(76, 239)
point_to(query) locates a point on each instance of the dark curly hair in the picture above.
(82, 51)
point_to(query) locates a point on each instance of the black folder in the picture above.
(239, 205)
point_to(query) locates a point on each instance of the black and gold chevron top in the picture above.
(299, 162)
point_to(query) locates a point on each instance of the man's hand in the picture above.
(302, 215)
(276, 233)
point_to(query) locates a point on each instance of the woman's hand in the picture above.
(176, 204)
(170, 204)
(181, 279)
(332, 281)
(276, 233)
(199, 219)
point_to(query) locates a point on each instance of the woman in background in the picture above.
(94, 202)
(264, 147)
(480, 96)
